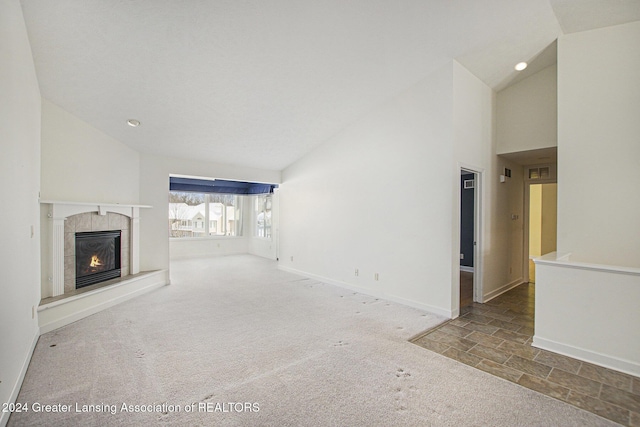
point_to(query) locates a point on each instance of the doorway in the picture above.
(469, 184)
(542, 223)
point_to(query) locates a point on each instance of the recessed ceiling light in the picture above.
(133, 123)
(521, 66)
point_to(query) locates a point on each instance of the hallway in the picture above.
(496, 338)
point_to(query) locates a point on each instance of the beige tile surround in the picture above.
(92, 221)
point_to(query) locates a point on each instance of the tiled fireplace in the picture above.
(64, 298)
(70, 220)
(94, 250)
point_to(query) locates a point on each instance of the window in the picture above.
(204, 214)
(263, 216)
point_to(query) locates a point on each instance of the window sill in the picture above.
(177, 239)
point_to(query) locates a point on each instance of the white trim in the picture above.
(622, 365)
(466, 269)
(59, 212)
(57, 256)
(393, 298)
(562, 260)
(526, 220)
(471, 168)
(56, 314)
(62, 210)
(4, 416)
(134, 242)
(478, 230)
(62, 202)
(501, 290)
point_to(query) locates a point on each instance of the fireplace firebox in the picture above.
(97, 257)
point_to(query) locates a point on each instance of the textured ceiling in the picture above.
(261, 83)
(584, 15)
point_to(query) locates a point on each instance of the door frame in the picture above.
(526, 218)
(477, 232)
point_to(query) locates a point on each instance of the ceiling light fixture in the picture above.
(133, 123)
(521, 66)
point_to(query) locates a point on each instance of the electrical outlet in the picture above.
(461, 256)
(357, 272)
(376, 276)
(291, 258)
(33, 311)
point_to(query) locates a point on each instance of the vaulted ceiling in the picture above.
(261, 83)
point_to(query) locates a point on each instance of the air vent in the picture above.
(540, 173)
(468, 183)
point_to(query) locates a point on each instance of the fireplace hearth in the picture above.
(97, 256)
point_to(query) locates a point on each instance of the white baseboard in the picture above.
(63, 312)
(497, 292)
(4, 416)
(626, 366)
(393, 298)
(467, 269)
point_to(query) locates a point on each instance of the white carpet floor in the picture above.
(297, 352)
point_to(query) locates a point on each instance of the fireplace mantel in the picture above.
(65, 209)
(58, 211)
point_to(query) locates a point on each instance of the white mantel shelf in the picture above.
(62, 202)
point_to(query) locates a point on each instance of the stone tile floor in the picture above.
(496, 338)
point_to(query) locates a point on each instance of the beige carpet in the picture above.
(297, 352)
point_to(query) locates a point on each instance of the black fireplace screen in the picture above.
(97, 257)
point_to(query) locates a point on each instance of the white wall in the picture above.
(199, 247)
(599, 145)
(383, 197)
(603, 331)
(527, 113)
(154, 191)
(501, 239)
(83, 164)
(377, 197)
(549, 237)
(535, 220)
(265, 248)
(20, 175)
